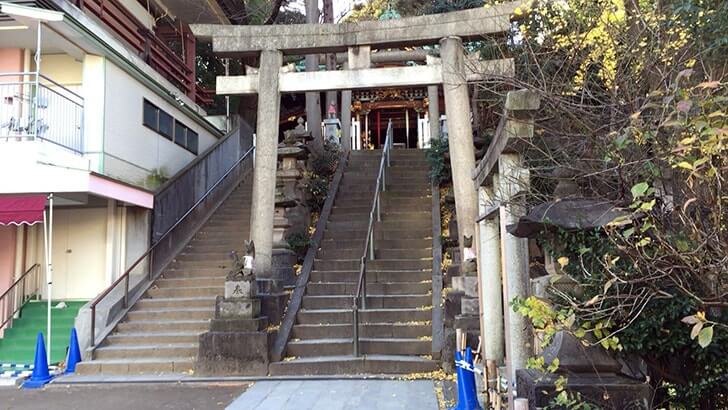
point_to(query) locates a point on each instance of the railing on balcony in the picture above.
(32, 106)
(146, 43)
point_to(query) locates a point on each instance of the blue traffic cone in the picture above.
(471, 393)
(467, 393)
(74, 353)
(461, 385)
(40, 375)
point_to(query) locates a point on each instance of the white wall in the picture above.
(79, 257)
(132, 149)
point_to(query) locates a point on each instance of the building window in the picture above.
(192, 141)
(151, 113)
(162, 123)
(180, 134)
(165, 124)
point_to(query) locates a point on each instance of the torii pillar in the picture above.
(460, 134)
(264, 175)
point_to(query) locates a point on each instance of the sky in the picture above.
(340, 6)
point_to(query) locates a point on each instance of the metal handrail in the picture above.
(361, 287)
(126, 275)
(45, 77)
(23, 298)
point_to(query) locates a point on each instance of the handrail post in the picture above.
(93, 325)
(371, 245)
(355, 329)
(379, 208)
(151, 261)
(364, 289)
(126, 292)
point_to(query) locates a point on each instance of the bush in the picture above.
(439, 160)
(299, 243)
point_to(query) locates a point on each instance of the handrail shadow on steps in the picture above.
(438, 328)
(359, 301)
(207, 183)
(289, 318)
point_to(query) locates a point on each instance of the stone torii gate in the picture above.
(451, 71)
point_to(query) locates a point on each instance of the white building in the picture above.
(110, 110)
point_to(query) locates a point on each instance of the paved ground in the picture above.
(123, 396)
(338, 395)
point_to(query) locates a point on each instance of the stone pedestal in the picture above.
(237, 343)
(590, 371)
(237, 353)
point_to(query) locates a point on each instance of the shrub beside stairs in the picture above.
(18, 343)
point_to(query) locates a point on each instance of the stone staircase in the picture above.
(396, 329)
(160, 332)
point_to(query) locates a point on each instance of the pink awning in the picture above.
(22, 209)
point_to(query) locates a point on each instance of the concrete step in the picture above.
(214, 257)
(381, 244)
(400, 189)
(146, 351)
(368, 330)
(357, 196)
(204, 247)
(382, 233)
(172, 314)
(208, 263)
(370, 176)
(348, 288)
(373, 276)
(355, 210)
(377, 264)
(363, 206)
(157, 292)
(339, 347)
(192, 272)
(344, 316)
(374, 301)
(204, 281)
(420, 221)
(136, 366)
(383, 253)
(124, 339)
(410, 163)
(367, 364)
(146, 326)
(231, 242)
(178, 303)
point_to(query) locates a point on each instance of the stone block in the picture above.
(282, 264)
(237, 308)
(232, 354)
(470, 306)
(522, 100)
(608, 391)
(273, 305)
(239, 289)
(239, 325)
(468, 322)
(466, 284)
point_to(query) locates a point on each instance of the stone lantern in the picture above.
(291, 215)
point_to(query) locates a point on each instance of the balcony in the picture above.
(34, 107)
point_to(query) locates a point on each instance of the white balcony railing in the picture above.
(32, 106)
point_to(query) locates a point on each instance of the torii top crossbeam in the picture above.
(325, 38)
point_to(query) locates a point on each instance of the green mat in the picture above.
(18, 343)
